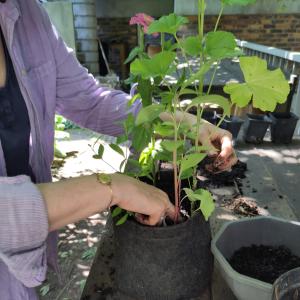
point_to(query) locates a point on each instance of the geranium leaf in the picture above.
(141, 137)
(192, 45)
(221, 44)
(168, 24)
(158, 65)
(266, 88)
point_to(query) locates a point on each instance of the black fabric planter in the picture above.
(255, 128)
(232, 124)
(283, 127)
(163, 263)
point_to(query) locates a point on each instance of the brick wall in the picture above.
(280, 31)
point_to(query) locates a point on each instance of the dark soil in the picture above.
(245, 207)
(265, 263)
(215, 179)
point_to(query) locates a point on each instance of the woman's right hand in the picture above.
(149, 203)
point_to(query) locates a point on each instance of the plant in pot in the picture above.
(173, 260)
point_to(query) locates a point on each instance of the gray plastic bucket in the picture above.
(246, 232)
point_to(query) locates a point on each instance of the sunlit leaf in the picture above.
(168, 24)
(266, 88)
(221, 44)
(191, 160)
(149, 113)
(158, 65)
(198, 76)
(171, 145)
(212, 99)
(192, 45)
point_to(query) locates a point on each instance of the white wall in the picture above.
(128, 8)
(189, 7)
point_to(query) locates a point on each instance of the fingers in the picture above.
(207, 143)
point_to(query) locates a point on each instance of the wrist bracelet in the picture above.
(106, 179)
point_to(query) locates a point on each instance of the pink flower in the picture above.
(143, 20)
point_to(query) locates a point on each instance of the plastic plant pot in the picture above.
(283, 127)
(232, 124)
(244, 233)
(287, 286)
(255, 128)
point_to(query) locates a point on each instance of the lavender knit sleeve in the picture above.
(23, 230)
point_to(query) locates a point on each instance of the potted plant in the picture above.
(174, 261)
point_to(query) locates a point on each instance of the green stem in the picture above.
(219, 17)
(141, 38)
(176, 179)
(212, 79)
(162, 41)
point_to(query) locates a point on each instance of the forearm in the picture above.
(74, 199)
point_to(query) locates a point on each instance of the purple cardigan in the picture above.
(51, 81)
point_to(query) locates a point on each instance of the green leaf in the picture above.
(212, 99)
(190, 194)
(198, 76)
(158, 65)
(100, 151)
(96, 156)
(207, 205)
(141, 137)
(168, 24)
(171, 145)
(187, 174)
(44, 290)
(122, 164)
(149, 114)
(122, 220)
(188, 92)
(133, 54)
(145, 89)
(167, 97)
(117, 148)
(89, 253)
(133, 99)
(129, 124)
(238, 2)
(190, 161)
(192, 45)
(266, 88)
(164, 130)
(221, 44)
(116, 212)
(122, 138)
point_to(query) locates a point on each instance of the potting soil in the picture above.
(265, 263)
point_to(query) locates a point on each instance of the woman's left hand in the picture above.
(217, 141)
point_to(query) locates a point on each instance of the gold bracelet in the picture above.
(106, 179)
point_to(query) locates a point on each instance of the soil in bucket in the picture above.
(265, 263)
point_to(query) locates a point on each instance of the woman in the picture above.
(40, 76)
